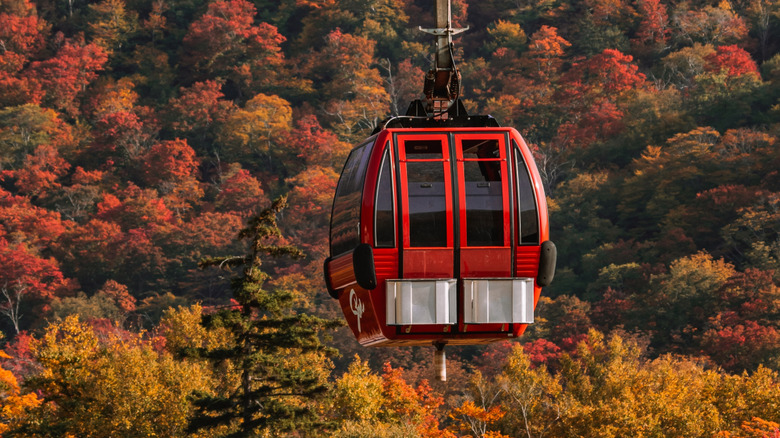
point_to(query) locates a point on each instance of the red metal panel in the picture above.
(527, 261)
(404, 178)
(386, 262)
(429, 263)
(485, 262)
(359, 312)
(504, 180)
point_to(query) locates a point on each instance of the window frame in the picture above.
(522, 169)
(446, 163)
(505, 185)
(387, 160)
(355, 178)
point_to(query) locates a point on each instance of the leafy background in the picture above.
(137, 137)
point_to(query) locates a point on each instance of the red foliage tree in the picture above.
(610, 72)
(654, 30)
(207, 232)
(141, 262)
(171, 167)
(225, 42)
(711, 25)
(119, 293)
(134, 208)
(612, 307)
(41, 170)
(313, 145)
(408, 402)
(735, 60)
(25, 276)
(122, 135)
(737, 345)
(100, 250)
(21, 37)
(170, 160)
(352, 88)
(65, 76)
(310, 198)
(599, 121)
(24, 222)
(197, 109)
(21, 33)
(90, 252)
(110, 96)
(545, 53)
(492, 358)
(241, 193)
(542, 352)
(22, 362)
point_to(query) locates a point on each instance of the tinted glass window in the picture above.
(345, 219)
(484, 187)
(384, 216)
(474, 149)
(423, 149)
(427, 203)
(529, 217)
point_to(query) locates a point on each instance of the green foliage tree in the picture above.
(277, 352)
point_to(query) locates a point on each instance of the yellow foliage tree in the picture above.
(364, 404)
(534, 399)
(506, 34)
(111, 23)
(109, 384)
(608, 389)
(255, 128)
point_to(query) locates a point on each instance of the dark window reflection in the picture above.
(484, 192)
(529, 217)
(480, 149)
(384, 216)
(345, 218)
(427, 204)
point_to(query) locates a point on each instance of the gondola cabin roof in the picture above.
(456, 117)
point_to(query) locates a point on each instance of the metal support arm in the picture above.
(442, 83)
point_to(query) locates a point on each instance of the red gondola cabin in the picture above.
(439, 236)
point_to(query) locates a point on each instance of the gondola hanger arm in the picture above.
(442, 83)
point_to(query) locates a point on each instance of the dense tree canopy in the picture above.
(138, 137)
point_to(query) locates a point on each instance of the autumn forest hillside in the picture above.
(138, 137)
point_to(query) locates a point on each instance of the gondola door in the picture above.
(427, 206)
(484, 234)
(456, 224)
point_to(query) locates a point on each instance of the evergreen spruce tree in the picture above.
(277, 353)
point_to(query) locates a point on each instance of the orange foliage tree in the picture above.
(15, 405)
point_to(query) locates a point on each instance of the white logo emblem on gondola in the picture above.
(357, 306)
